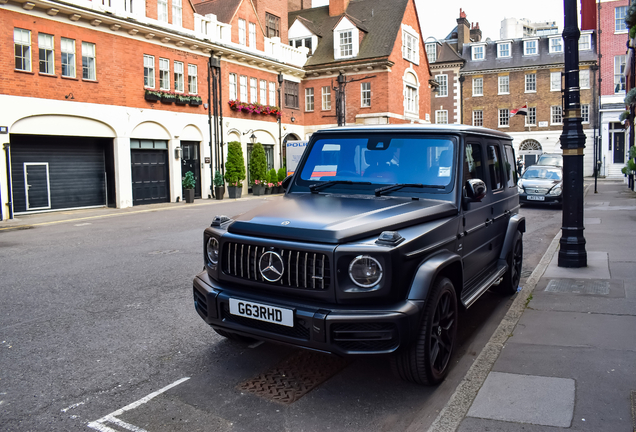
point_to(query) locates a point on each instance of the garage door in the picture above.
(149, 172)
(55, 173)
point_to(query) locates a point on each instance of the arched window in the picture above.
(411, 100)
(530, 145)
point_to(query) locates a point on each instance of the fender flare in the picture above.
(516, 223)
(428, 272)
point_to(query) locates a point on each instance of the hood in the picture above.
(336, 219)
(539, 183)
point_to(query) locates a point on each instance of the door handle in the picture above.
(488, 222)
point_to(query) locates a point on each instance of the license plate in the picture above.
(536, 198)
(261, 312)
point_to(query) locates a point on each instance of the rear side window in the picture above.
(473, 165)
(511, 172)
(494, 167)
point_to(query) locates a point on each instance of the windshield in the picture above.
(382, 160)
(550, 160)
(544, 173)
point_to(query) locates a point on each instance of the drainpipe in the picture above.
(7, 150)
(212, 154)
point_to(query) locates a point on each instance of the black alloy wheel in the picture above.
(426, 361)
(511, 278)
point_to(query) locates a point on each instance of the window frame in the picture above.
(46, 48)
(262, 91)
(272, 25)
(233, 86)
(164, 74)
(365, 94)
(480, 87)
(527, 48)
(178, 74)
(478, 118)
(619, 19)
(243, 95)
(505, 78)
(91, 65)
(433, 51)
(162, 10)
(149, 71)
(411, 99)
(345, 49)
(478, 52)
(309, 99)
(242, 29)
(177, 13)
(25, 50)
(503, 118)
(499, 50)
(251, 35)
(553, 81)
(325, 98)
(291, 94)
(64, 59)
(443, 114)
(530, 80)
(552, 48)
(193, 77)
(585, 40)
(272, 93)
(556, 113)
(442, 90)
(532, 114)
(253, 90)
(410, 44)
(620, 76)
(584, 83)
(585, 113)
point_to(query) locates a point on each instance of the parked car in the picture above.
(554, 159)
(541, 184)
(382, 235)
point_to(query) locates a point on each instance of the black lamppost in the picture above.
(280, 115)
(572, 252)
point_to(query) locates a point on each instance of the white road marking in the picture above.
(98, 425)
(72, 406)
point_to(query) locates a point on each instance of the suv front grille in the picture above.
(365, 337)
(304, 270)
(536, 191)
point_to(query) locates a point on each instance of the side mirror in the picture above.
(475, 190)
(287, 182)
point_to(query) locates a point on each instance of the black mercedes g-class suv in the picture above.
(382, 234)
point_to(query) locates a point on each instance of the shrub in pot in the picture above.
(258, 169)
(219, 185)
(282, 173)
(234, 169)
(189, 183)
(272, 180)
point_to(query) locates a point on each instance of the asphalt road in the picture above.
(98, 318)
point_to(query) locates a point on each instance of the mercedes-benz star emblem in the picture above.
(271, 266)
(285, 223)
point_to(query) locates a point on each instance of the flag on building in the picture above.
(520, 111)
(588, 14)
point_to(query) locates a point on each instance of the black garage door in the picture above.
(54, 173)
(149, 176)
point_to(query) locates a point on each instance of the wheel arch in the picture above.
(444, 263)
(516, 223)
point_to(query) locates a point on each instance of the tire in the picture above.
(234, 336)
(510, 282)
(427, 360)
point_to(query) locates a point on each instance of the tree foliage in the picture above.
(235, 164)
(258, 164)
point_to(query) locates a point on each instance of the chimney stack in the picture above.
(337, 7)
(475, 33)
(463, 31)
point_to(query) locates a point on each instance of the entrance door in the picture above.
(529, 159)
(36, 186)
(619, 148)
(190, 162)
(149, 176)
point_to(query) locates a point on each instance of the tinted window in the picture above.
(554, 160)
(547, 173)
(473, 166)
(494, 167)
(511, 172)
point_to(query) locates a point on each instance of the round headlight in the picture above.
(556, 190)
(213, 250)
(365, 271)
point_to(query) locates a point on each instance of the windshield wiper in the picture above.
(398, 186)
(314, 188)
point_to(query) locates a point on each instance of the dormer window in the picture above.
(478, 52)
(302, 42)
(346, 43)
(503, 49)
(346, 39)
(431, 52)
(585, 43)
(556, 45)
(531, 47)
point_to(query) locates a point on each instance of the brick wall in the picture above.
(447, 102)
(274, 7)
(612, 43)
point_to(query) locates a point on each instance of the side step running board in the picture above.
(492, 280)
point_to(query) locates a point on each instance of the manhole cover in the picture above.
(593, 287)
(295, 376)
(526, 273)
(163, 252)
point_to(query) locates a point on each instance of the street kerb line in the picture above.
(459, 403)
(112, 417)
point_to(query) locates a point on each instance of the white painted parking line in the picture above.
(98, 425)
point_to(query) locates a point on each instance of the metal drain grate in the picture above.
(592, 287)
(295, 376)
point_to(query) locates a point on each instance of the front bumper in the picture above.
(334, 329)
(547, 199)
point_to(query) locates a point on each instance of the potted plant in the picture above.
(272, 180)
(282, 173)
(168, 98)
(152, 95)
(195, 100)
(219, 185)
(182, 99)
(258, 169)
(189, 183)
(234, 169)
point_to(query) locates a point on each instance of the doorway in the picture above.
(617, 143)
(37, 187)
(190, 161)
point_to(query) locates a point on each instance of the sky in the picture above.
(438, 18)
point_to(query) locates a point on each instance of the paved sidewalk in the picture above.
(565, 355)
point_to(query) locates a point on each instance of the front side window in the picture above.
(556, 45)
(530, 47)
(494, 168)
(193, 87)
(252, 35)
(88, 61)
(326, 98)
(243, 88)
(619, 19)
(478, 52)
(441, 117)
(442, 90)
(478, 118)
(556, 114)
(584, 78)
(233, 93)
(309, 99)
(365, 94)
(346, 43)
(478, 86)
(149, 71)
(241, 31)
(162, 10)
(291, 94)
(272, 25)
(431, 52)
(22, 49)
(253, 90)
(382, 159)
(68, 58)
(585, 113)
(619, 74)
(46, 48)
(178, 76)
(531, 83)
(503, 49)
(272, 94)
(531, 118)
(263, 92)
(177, 9)
(164, 74)
(504, 118)
(555, 81)
(504, 84)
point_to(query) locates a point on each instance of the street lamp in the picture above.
(253, 138)
(572, 251)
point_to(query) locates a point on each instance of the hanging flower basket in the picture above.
(630, 97)
(254, 108)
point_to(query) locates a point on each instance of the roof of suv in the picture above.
(437, 128)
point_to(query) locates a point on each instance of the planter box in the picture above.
(234, 192)
(152, 97)
(195, 102)
(258, 190)
(189, 196)
(181, 102)
(167, 100)
(268, 191)
(219, 191)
